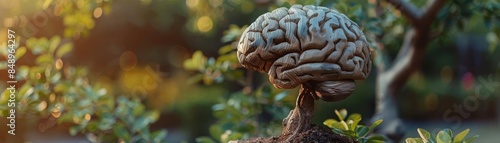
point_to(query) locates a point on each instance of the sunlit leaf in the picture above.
(424, 134)
(329, 123)
(341, 114)
(461, 136)
(64, 49)
(471, 139)
(443, 137)
(414, 140)
(356, 118)
(20, 52)
(54, 42)
(44, 59)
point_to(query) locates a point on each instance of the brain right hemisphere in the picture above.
(306, 44)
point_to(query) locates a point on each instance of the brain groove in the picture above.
(306, 44)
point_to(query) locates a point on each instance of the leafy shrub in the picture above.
(443, 136)
(58, 93)
(351, 128)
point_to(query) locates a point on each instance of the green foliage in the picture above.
(54, 91)
(351, 128)
(57, 93)
(222, 68)
(443, 136)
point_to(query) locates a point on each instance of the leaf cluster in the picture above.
(351, 128)
(443, 136)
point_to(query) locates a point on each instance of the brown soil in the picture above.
(316, 134)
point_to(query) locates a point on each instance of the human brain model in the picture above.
(310, 45)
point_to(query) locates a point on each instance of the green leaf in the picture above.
(205, 140)
(20, 52)
(22, 72)
(37, 46)
(64, 49)
(44, 59)
(226, 49)
(375, 124)
(374, 141)
(363, 131)
(215, 131)
(443, 137)
(414, 140)
(471, 139)
(338, 131)
(376, 138)
(25, 91)
(461, 136)
(356, 118)
(3, 65)
(449, 132)
(121, 132)
(107, 121)
(344, 125)
(197, 62)
(329, 122)
(54, 42)
(74, 130)
(341, 114)
(140, 123)
(424, 134)
(158, 136)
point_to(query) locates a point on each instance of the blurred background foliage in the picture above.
(127, 70)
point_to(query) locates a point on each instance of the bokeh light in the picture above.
(59, 64)
(192, 3)
(56, 112)
(88, 117)
(204, 24)
(98, 12)
(468, 81)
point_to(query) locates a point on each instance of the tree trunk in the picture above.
(392, 76)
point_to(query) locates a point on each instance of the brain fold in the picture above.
(306, 44)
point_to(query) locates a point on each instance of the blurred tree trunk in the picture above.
(393, 75)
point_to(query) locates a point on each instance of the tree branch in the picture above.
(416, 39)
(409, 10)
(431, 10)
(413, 50)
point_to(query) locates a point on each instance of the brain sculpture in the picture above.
(310, 44)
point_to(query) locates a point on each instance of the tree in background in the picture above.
(426, 25)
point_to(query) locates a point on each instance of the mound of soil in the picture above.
(315, 134)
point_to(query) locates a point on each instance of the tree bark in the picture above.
(299, 119)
